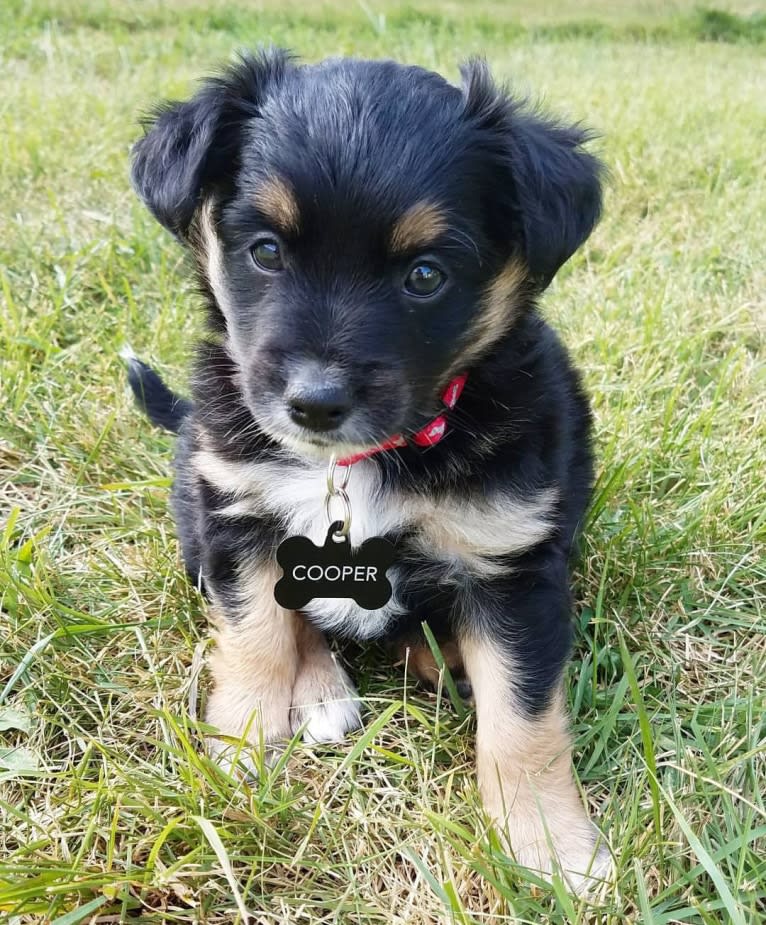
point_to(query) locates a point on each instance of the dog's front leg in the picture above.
(255, 660)
(325, 705)
(514, 657)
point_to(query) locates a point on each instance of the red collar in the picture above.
(431, 434)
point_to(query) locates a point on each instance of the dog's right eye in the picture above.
(267, 254)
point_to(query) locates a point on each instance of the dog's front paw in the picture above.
(548, 835)
(597, 866)
(245, 715)
(577, 853)
(325, 704)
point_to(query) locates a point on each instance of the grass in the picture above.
(108, 811)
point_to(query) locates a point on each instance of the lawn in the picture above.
(108, 810)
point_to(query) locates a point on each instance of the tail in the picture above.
(163, 407)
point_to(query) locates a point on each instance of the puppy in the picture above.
(367, 235)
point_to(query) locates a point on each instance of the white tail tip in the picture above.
(128, 354)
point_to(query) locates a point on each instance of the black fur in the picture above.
(193, 148)
(161, 406)
(359, 143)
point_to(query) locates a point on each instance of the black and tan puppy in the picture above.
(367, 234)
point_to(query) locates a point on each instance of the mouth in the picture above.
(319, 446)
(323, 449)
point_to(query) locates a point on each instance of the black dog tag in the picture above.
(334, 570)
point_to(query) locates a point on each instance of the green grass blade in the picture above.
(647, 737)
(449, 681)
(81, 912)
(714, 872)
(216, 844)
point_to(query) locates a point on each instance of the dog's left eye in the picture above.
(424, 279)
(267, 254)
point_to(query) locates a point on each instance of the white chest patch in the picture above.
(467, 535)
(299, 497)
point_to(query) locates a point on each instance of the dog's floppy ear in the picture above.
(191, 147)
(553, 186)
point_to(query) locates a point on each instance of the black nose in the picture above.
(319, 407)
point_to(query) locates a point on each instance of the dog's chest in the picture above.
(470, 535)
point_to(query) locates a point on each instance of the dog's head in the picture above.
(365, 230)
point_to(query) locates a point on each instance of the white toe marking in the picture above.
(326, 705)
(330, 721)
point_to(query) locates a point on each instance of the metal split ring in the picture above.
(345, 521)
(338, 491)
(331, 486)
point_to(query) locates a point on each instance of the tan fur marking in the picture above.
(236, 478)
(475, 533)
(524, 772)
(499, 307)
(205, 246)
(421, 663)
(197, 233)
(277, 201)
(207, 249)
(419, 227)
(254, 663)
(208, 253)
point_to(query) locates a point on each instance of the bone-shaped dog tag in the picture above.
(334, 570)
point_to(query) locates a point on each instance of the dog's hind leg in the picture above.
(416, 655)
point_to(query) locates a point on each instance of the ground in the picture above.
(108, 810)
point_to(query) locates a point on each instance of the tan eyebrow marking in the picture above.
(277, 201)
(420, 226)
